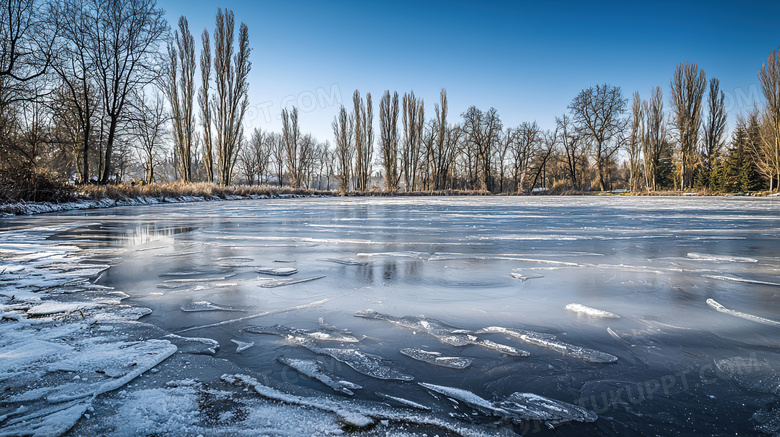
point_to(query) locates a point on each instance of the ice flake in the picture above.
(742, 280)
(714, 304)
(436, 358)
(277, 271)
(319, 335)
(241, 346)
(445, 333)
(591, 312)
(314, 369)
(551, 342)
(520, 407)
(205, 305)
(402, 401)
(345, 262)
(734, 259)
(283, 282)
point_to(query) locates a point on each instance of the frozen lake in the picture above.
(659, 315)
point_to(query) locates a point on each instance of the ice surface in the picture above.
(440, 258)
(445, 333)
(277, 271)
(436, 358)
(314, 369)
(591, 312)
(714, 304)
(254, 316)
(551, 342)
(751, 373)
(205, 305)
(284, 282)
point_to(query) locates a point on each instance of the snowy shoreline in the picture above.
(8, 210)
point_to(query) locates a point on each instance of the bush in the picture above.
(29, 184)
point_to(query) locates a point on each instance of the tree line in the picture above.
(104, 89)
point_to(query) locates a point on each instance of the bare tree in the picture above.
(768, 159)
(573, 150)
(388, 141)
(124, 38)
(413, 124)
(482, 130)
(655, 140)
(687, 85)
(205, 105)
(27, 39)
(543, 154)
(231, 72)
(291, 139)
(276, 145)
(522, 146)
(75, 68)
(147, 122)
(634, 143)
(598, 111)
(256, 156)
(179, 87)
(364, 140)
(714, 130)
(343, 131)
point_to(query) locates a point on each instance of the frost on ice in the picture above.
(312, 334)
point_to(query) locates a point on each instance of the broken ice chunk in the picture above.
(367, 364)
(445, 333)
(402, 401)
(313, 369)
(277, 271)
(751, 317)
(436, 358)
(204, 305)
(345, 262)
(241, 346)
(551, 342)
(319, 335)
(522, 277)
(282, 282)
(591, 312)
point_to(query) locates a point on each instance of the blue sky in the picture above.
(526, 59)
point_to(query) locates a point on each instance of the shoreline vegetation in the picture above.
(54, 197)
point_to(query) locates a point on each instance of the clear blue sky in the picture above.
(526, 59)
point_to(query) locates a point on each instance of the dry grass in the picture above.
(178, 189)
